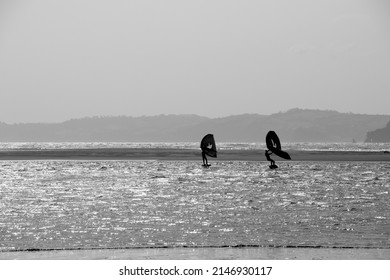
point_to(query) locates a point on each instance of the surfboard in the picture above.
(273, 166)
(273, 144)
(208, 146)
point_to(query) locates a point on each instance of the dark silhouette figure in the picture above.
(208, 148)
(204, 158)
(267, 155)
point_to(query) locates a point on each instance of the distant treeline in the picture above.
(381, 135)
(295, 125)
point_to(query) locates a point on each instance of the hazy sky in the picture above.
(62, 59)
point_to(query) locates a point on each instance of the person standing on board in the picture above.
(204, 158)
(208, 148)
(267, 155)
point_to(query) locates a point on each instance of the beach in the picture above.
(186, 154)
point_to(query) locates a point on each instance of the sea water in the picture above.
(77, 204)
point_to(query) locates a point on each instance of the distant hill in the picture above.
(381, 135)
(295, 125)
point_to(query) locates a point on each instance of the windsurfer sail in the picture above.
(208, 148)
(273, 146)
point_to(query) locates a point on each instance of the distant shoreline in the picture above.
(186, 154)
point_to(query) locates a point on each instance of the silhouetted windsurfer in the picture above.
(208, 148)
(267, 155)
(274, 147)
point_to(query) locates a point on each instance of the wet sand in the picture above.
(185, 154)
(204, 254)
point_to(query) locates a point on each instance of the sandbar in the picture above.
(186, 154)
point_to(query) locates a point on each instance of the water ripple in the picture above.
(124, 204)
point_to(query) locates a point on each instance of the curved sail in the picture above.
(208, 145)
(273, 144)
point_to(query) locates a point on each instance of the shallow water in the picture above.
(125, 204)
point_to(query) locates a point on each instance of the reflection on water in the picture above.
(117, 204)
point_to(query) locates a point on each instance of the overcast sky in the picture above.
(76, 58)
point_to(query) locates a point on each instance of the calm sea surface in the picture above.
(124, 204)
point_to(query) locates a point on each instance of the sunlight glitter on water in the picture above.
(116, 204)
